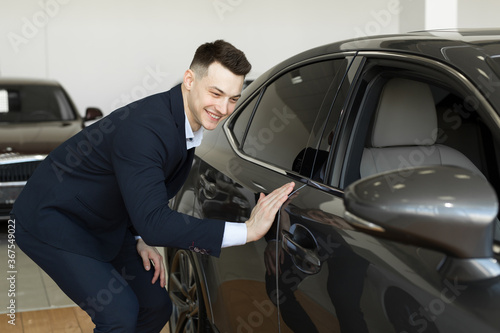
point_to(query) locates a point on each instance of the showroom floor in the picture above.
(40, 306)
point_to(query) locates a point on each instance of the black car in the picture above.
(36, 115)
(394, 145)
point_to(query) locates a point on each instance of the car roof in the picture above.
(427, 43)
(27, 81)
(445, 36)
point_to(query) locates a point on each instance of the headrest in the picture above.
(405, 116)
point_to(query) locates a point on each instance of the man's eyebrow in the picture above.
(222, 91)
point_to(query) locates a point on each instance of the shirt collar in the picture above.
(193, 140)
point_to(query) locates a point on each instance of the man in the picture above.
(93, 208)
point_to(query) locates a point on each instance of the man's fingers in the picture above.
(279, 195)
(285, 191)
(158, 269)
(163, 281)
(145, 261)
(264, 212)
(151, 256)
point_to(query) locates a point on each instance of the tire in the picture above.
(188, 313)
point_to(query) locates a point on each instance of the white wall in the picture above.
(107, 53)
(440, 14)
(478, 14)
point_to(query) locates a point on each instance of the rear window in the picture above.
(34, 103)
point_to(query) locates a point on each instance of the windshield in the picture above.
(34, 103)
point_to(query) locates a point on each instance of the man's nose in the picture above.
(223, 106)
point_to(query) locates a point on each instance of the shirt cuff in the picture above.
(234, 234)
(137, 237)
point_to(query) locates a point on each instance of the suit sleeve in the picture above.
(141, 150)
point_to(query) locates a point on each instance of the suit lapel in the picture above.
(181, 171)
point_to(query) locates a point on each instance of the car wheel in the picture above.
(188, 313)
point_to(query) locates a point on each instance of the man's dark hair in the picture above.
(222, 52)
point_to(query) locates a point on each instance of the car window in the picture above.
(409, 117)
(34, 103)
(404, 120)
(242, 121)
(287, 112)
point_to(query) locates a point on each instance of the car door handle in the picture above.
(307, 260)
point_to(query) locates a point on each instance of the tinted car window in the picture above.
(285, 117)
(241, 123)
(34, 103)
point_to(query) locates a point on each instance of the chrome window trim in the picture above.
(229, 120)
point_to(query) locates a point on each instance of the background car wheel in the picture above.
(188, 314)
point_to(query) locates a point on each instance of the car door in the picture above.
(349, 278)
(274, 137)
(318, 275)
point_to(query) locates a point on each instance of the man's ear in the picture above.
(188, 80)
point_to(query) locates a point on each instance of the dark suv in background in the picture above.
(35, 117)
(394, 145)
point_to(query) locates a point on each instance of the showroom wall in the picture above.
(108, 53)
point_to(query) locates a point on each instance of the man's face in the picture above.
(211, 98)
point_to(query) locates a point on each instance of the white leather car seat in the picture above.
(404, 132)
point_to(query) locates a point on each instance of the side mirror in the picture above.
(445, 208)
(92, 114)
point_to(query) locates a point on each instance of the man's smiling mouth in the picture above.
(213, 115)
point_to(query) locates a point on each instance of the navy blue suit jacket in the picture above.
(117, 173)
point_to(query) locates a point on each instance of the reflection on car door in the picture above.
(236, 279)
(321, 276)
(290, 114)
